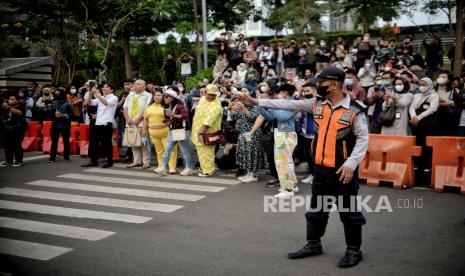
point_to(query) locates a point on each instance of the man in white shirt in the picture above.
(106, 108)
(133, 110)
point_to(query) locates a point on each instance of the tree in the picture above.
(459, 38)
(433, 7)
(368, 11)
(301, 16)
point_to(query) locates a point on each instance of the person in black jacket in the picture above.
(433, 52)
(63, 112)
(170, 69)
(13, 126)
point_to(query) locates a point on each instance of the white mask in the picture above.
(73, 91)
(441, 81)
(348, 82)
(423, 89)
(322, 44)
(399, 88)
(379, 82)
(263, 89)
(311, 42)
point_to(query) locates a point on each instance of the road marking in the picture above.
(138, 182)
(130, 204)
(212, 180)
(35, 157)
(116, 190)
(54, 229)
(70, 212)
(38, 251)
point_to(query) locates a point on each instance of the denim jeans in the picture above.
(185, 149)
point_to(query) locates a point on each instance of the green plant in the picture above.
(194, 80)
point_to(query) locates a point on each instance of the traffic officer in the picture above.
(340, 144)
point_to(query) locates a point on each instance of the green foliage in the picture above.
(171, 46)
(150, 60)
(194, 80)
(116, 73)
(387, 32)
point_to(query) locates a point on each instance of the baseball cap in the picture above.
(331, 73)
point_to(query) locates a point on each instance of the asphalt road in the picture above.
(221, 228)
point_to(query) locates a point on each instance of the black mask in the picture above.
(308, 96)
(322, 91)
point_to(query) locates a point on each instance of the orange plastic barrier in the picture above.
(47, 136)
(84, 139)
(115, 145)
(74, 139)
(32, 137)
(448, 162)
(390, 158)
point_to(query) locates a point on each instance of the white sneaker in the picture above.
(187, 171)
(308, 179)
(302, 168)
(249, 179)
(241, 178)
(295, 189)
(160, 171)
(17, 164)
(4, 164)
(284, 194)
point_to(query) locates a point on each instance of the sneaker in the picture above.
(67, 160)
(295, 189)
(308, 179)
(4, 164)
(249, 179)
(17, 164)
(245, 176)
(284, 194)
(90, 164)
(272, 183)
(107, 165)
(187, 171)
(51, 161)
(302, 168)
(160, 171)
(201, 174)
(172, 171)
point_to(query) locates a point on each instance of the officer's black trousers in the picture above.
(326, 183)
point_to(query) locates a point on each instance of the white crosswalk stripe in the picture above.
(70, 212)
(54, 229)
(115, 190)
(138, 182)
(130, 204)
(37, 251)
(195, 179)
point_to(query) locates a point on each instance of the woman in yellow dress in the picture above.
(154, 125)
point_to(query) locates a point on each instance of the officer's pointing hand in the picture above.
(346, 174)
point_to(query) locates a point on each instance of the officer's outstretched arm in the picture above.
(291, 105)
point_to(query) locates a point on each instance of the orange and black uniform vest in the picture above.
(334, 139)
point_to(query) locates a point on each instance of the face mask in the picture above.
(386, 82)
(312, 43)
(441, 81)
(322, 44)
(322, 91)
(423, 89)
(366, 38)
(399, 88)
(265, 49)
(348, 82)
(73, 91)
(379, 82)
(180, 89)
(308, 96)
(342, 57)
(387, 69)
(263, 89)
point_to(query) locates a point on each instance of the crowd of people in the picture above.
(393, 81)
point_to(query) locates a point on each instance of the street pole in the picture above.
(204, 30)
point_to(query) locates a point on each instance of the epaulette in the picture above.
(358, 106)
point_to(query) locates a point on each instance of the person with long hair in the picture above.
(156, 128)
(177, 118)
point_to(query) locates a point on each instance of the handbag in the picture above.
(387, 116)
(132, 137)
(213, 138)
(179, 134)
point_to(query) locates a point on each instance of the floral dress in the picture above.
(250, 155)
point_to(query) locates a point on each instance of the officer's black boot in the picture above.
(352, 257)
(312, 248)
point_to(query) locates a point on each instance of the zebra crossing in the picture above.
(141, 191)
